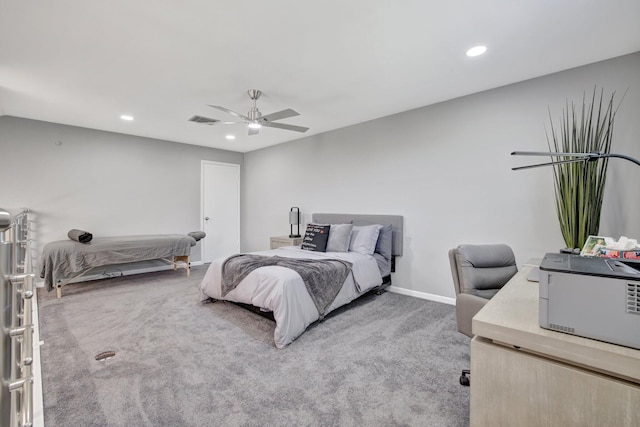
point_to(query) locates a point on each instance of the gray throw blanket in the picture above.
(323, 278)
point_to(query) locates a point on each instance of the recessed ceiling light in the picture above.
(126, 117)
(476, 50)
(230, 137)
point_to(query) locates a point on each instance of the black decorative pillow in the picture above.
(316, 237)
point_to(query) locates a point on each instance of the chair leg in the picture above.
(465, 377)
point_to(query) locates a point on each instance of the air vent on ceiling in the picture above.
(633, 297)
(203, 120)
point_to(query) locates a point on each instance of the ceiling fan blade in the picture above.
(233, 113)
(284, 114)
(253, 131)
(285, 126)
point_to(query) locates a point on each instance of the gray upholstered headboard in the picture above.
(396, 222)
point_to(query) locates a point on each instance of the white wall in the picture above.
(107, 183)
(447, 169)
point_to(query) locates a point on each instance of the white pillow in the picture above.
(364, 238)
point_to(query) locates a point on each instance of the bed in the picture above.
(282, 291)
(65, 260)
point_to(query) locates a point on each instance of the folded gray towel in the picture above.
(80, 236)
(198, 235)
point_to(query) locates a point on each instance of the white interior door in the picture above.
(220, 209)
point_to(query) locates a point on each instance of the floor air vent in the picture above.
(105, 355)
(633, 297)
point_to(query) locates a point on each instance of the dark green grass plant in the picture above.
(579, 187)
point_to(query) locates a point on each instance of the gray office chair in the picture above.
(479, 271)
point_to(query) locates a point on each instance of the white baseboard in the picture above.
(423, 295)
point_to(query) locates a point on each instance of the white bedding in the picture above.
(282, 291)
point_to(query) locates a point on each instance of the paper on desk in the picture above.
(623, 244)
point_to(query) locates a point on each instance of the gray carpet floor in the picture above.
(387, 360)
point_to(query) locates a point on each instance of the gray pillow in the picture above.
(198, 235)
(339, 237)
(364, 238)
(80, 235)
(384, 245)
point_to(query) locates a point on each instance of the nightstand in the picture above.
(278, 241)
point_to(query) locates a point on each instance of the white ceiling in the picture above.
(336, 62)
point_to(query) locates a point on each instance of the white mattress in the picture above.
(281, 290)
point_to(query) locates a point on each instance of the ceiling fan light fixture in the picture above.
(255, 125)
(476, 50)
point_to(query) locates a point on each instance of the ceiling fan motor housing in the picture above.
(254, 113)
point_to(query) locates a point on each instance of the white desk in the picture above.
(525, 375)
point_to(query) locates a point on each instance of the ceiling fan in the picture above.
(254, 118)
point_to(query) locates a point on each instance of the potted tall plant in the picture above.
(579, 187)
